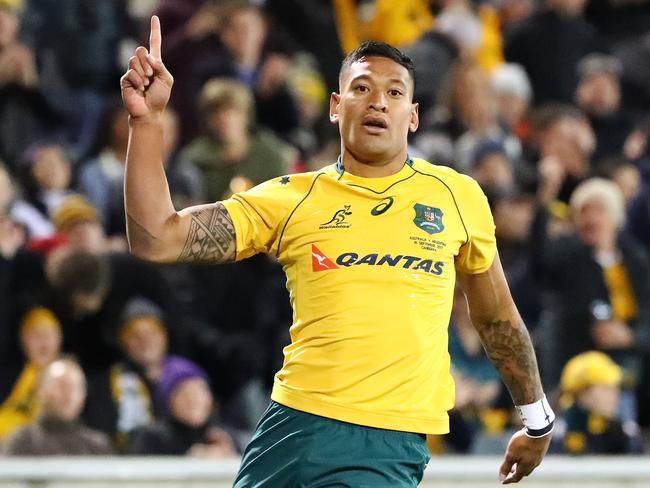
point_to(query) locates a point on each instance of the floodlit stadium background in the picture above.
(532, 98)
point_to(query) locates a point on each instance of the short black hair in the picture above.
(380, 49)
(82, 272)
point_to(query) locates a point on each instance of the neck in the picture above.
(375, 168)
(153, 370)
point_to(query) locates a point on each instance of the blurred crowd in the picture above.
(545, 102)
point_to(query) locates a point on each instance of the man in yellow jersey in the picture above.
(372, 247)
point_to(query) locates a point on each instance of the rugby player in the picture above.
(372, 247)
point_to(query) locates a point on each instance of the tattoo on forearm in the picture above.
(211, 238)
(511, 351)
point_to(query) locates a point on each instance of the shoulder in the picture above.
(198, 148)
(21, 441)
(294, 185)
(97, 440)
(633, 251)
(452, 179)
(151, 439)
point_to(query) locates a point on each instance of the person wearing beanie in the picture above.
(512, 88)
(188, 427)
(590, 421)
(599, 95)
(40, 338)
(491, 168)
(78, 221)
(123, 399)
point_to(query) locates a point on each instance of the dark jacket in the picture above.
(549, 48)
(574, 283)
(167, 438)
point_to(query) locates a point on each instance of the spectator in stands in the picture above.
(231, 146)
(513, 215)
(25, 114)
(188, 428)
(125, 400)
(308, 88)
(477, 110)
(475, 30)
(77, 44)
(58, 431)
(637, 150)
(514, 95)
(78, 222)
(492, 170)
(589, 420)
(549, 45)
(88, 293)
(46, 177)
(18, 211)
(599, 95)
(566, 142)
(22, 213)
(399, 24)
(40, 338)
(233, 41)
(102, 179)
(598, 281)
(134, 382)
(625, 174)
(12, 235)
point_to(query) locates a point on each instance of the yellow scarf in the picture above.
(20, 406)
(621, 294)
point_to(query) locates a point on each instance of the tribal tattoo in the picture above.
(211, 238)
(511, 351)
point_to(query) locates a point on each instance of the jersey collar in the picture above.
(340, 169)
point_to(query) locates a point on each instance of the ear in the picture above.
(415, 118)
(335, 99)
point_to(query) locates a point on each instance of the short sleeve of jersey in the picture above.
(259, 214)
(477, 254)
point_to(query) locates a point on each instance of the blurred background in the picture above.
(545, 102)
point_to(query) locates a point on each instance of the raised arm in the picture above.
(155, 230)
(508, 345)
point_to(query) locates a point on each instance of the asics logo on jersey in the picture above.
(383, 206)
(338, 220)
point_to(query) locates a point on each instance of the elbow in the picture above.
(147, 245)
(148, 253)
(146, 250)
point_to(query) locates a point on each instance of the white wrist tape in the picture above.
(537, 417)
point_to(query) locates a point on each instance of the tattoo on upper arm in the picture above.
(511, 351)
(211, 238)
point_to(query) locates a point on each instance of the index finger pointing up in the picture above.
(155, 38)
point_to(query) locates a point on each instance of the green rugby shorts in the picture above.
(294, 449)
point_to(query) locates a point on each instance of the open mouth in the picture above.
(375, 124)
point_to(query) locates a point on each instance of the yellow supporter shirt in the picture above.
(371, 265)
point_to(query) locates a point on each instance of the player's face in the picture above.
(374, 110)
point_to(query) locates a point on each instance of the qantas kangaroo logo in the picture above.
(320, 262)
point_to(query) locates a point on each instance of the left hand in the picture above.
(273, 74)
(523, 455)
(612, 334)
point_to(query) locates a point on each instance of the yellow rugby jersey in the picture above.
(371, 265)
